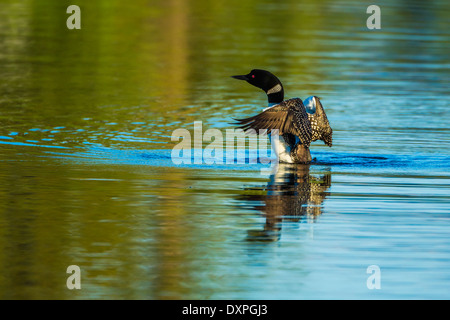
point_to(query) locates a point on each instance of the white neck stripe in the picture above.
(275, 89)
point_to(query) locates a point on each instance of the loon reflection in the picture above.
(292, 194)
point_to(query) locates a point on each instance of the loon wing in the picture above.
(289, 117)
(320, 125)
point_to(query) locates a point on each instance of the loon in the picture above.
(298, 123)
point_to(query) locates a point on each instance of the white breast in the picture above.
(282, 150)
(280, 146)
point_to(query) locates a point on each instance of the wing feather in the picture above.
(288, 117)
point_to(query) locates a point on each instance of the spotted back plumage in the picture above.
(291, 119)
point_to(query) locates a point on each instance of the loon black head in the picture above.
(266, 81)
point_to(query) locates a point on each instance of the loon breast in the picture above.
(281, 147)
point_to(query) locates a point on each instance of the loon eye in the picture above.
(253, 76)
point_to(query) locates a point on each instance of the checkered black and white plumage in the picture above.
(292, 120)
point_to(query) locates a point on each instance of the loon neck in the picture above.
(275, 98)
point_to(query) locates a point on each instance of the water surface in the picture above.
(86, 175)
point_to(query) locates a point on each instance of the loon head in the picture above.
(266, 81)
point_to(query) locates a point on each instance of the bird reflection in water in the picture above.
(291, 194)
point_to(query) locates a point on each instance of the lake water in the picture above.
(87, 179)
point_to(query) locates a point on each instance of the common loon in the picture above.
(298, 123)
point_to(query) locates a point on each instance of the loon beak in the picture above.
(243, 77)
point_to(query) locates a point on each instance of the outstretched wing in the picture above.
(287, 117)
